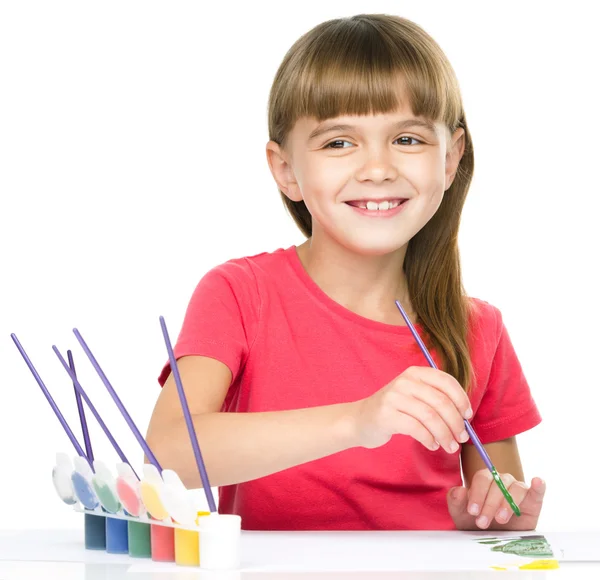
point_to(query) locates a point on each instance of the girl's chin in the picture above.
(364, 247)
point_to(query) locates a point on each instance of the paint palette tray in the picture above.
(156, 517)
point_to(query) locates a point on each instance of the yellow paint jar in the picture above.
(187, 546)
(161, 537)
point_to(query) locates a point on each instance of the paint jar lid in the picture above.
(220, 522)
(63, 484)
(128, 492)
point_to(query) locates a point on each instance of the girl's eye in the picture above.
(333, 144)
(328, 146)
(410, 138)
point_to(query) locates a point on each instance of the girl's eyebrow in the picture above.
(327, 127)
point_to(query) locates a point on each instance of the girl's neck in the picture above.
(366, 285)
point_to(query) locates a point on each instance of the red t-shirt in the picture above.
(290, 346)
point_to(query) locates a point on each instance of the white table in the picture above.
(36, 554)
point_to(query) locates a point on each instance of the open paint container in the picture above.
(138, 533)
(63, 480)
(162, 536)
(181, 505)
(116, 529)
(94, 525)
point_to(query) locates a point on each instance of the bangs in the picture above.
(356, 67)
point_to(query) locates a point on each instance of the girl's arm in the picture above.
(424, 403)
(504, 455)
(238, 447)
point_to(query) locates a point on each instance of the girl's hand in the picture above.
(424, 403)
(483, 506)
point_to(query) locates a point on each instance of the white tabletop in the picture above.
(273, 555)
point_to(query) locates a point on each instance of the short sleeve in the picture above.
(507, 407)
(221, 319)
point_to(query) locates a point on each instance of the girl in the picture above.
(313, 404)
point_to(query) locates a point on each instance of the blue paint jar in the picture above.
(95, 532)
(117, 541)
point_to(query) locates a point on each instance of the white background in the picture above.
(132, 160)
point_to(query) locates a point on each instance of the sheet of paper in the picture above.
(575, 546)
(409, 552)
(389, 551)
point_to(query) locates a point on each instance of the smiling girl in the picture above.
(313, 404)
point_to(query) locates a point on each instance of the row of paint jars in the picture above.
(155, 517)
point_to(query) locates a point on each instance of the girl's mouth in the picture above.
(386, 208)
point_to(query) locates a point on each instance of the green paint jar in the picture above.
(139, 539)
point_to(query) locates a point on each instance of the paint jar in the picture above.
(187, 545)
(187, 548)
(138, 532)
(94, 532)
(163, 543)
(162, 536)
(116, 536)
(138, 537)
(220, 539)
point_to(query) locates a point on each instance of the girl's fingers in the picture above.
(478, 491)
(518, 491)
(532, 503)
(431, 419)
(495, 506)
(445, 383)
(445, 408)
(408, 425)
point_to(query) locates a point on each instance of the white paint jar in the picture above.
(220, 537)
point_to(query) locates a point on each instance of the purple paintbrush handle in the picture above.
(416, 336)
(188, 419)
(475, 440)
(83, 394)
(479, 446)
(84, 428)
(50, 400)
(121, 407)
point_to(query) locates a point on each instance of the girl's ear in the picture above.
(454, 153)
(282, 171)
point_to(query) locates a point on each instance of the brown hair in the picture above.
(351, 66)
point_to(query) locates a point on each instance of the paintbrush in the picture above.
(480, 448)
(51, 402)
(136, 432)
(83, 395)
(188, 419)
(84, 427)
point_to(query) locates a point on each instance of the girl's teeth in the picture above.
(373, 205)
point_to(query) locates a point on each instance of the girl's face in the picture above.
(343, 163)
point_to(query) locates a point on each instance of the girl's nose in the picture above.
(378, 167)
